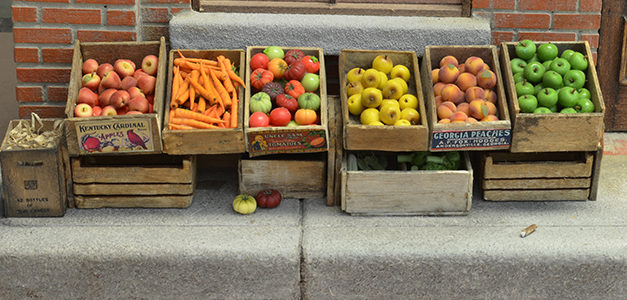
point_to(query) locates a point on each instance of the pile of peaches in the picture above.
(464, 92)
(118, 89)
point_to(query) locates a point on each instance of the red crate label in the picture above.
(133, 135)
(471, 139)
(286, 141)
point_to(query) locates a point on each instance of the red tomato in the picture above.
(260, 77)
(287, 101)
(312, 65)
(305, 116)
(293, 55)
(259, 119)
(294, 88)
(259, 60)
(268, 198)
(295, 71)
(280, 116)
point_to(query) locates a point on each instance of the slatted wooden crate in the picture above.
(540, 176)
(147, 181)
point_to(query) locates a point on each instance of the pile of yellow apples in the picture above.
(378, 95)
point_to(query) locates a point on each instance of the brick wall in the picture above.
(44, 31)
(542, 20)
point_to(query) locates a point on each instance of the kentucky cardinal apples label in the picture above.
(471, 139)
(286, 141)
(133, 135)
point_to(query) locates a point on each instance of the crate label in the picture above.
(471, 139)
(286, 141)
(133, 135)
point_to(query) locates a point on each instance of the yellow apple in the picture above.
(354, 87)
(370, 78)
(369, 115)
(411, 115)
(389, 114)
(402, 122)
(355, 74)
(371, 97)
(393, 89)
(382, 80)
(354, 104)
(408, 100)
(383, 63)
(400, 71)
(389, 102)
(376, 123)
(403, 83)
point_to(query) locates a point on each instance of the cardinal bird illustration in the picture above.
(135, 139)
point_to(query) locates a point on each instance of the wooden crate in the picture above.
(273, 140)
(148, 181)
(300, 176)
(555, 132)
(495, 135)
(34, 182)
(383, 138)
(205, 141)
(544, 176)
(406, 192)
(111, 131)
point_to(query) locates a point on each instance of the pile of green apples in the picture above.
(548, 83)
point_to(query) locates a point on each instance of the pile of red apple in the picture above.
(118, 89)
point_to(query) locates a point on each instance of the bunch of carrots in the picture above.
(204, 93)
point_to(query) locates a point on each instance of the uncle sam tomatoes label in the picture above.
(133, 135)
(286, 141)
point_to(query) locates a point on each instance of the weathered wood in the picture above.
(542, 183)
(596, 172)
(204, 141)
(536, 195)
(538, 169)
(293, 178)
(332, 116)
(133, 189)
(555, 132)
(384, 138)
(144, 172)
(407, 192)
(489, 54)
(108, 52)
(339, 153)
(151, 201)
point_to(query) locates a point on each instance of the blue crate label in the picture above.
(471, 139)
(133, 135)
(286, 141)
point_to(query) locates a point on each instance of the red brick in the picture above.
(57, 55)
(58, 1)
(105, 36)
(175, 10)
(520, 20)
(43, 75)
(590, 5)
(42, 35)
(121, 17)
(575, 21)
(502, 36)
(111, 2)
(26, 55)
(504, 4)
(553, 5)
(547, 36)
(155, 15)
(29, 94)
(72, 16)
(24, 14)
(167, 1)
(57, 93)
(593, 39)
(481, 4)
(44, 111)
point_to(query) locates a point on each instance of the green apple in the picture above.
(575, 78)
(578, 61)
(547, 97)
(534, 71)
(534, 58)
(547, 64)
(524, 88)
(568, 110)
(537, 88)
(552, 79)
(518, 77)
(542, 110)
(274, 52)
(310, 82)
(547, 51)
(560, 65)
(518, 65)
(567, 96)
(584, 93)
(527, 103)
(584, 105)
(567, 54)
(525, 49)
(553, 108)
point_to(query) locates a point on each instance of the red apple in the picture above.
(122, 111)
(103, 69)
(104, 98)
(90, 66)
(120, 99)
(139, 104)
(111, 80)
(150, 108)
(96, 111)
(108, 111)
(83, 110)
(149, 64)
(134, 112)
(87, 96)
(134, 92)
(129, 82)
(139, 73)
(147, 84)
(124, 67)
(91, 81)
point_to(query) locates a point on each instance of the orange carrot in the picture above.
(232, 75)
(188, 114)
(234, 108)
(180, 54)
(203, 92)
(209, 110)
(175, 88)
(228, 84)
(194, 66)
(227, 119)
(208, 62)
(171, 116)
(178, 126)
(208, 86)
(220, 88)
(201, 105)
(184, 92)
(192, 123)
(192, 92)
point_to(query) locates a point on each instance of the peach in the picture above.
(446, 109)
(478, 109)
(448, 73)
(474, 64)
(465, 81)
(444, 121)
(461, 68)
(434, 75)
(464, 107)
(490, 96)
(437, 88)
(452, 93)
(486, 79)
(458, 117)
(438, 101)
(491, 108)
(449, 60)
(489, 118)
(471, 120)
(474, 93)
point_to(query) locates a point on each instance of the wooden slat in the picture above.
(538, 169)
(543, 183)
(293, 178)
(152, 201)
(103, 189)
(183, 172)
(536, 195)
(333, 128)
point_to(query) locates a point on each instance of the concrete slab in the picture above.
(194, 30)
